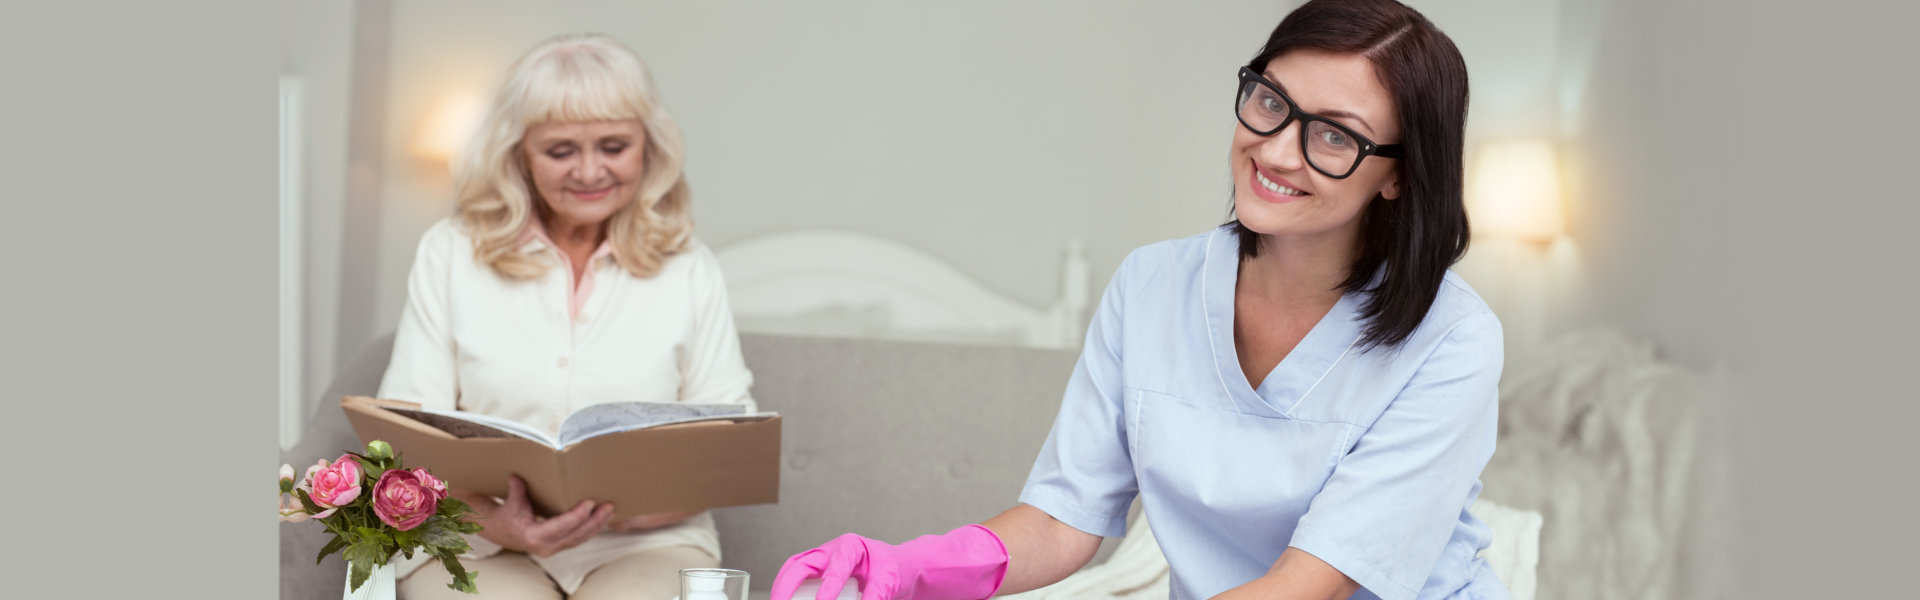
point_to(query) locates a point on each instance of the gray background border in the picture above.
(139, 315)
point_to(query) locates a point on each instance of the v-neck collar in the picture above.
(1330, 340)
(534, 239)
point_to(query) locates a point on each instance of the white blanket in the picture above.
(1605, 440)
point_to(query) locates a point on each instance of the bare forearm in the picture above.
(1296, 576)
(1040, 549)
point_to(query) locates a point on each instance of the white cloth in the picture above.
(473, 340)
(1514, 555)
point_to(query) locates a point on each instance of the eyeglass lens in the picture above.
(1329, 148)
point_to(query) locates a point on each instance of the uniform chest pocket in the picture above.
(1221, 461)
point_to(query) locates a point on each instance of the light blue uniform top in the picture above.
(1366, 460)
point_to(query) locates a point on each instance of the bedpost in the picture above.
(1072, 312)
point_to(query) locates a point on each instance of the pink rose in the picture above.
(402, 500)
(333, 485)
(306, 483)
(428, 481)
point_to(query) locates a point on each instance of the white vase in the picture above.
(378, 586)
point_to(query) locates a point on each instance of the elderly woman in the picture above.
(569, 277)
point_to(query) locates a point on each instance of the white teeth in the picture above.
(1277, 188)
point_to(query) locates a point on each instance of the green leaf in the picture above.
(364, 551)
(453, 507)
(363, 554)
(466, 584)
(357, 571)
(357, 574)
(331, 547)
(453, 565)
(407, 539)
(306, 501)
(462, 578)
(436, 533)
(367, 464)
(376, 535)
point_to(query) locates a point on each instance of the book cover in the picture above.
(643, 462)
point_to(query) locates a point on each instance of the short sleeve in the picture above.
(1392, 503)
(422, 366)
(712, 369)
(1084, 474)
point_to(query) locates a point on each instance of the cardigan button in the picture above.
(563, 362)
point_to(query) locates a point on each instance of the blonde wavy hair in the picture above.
(572, 78)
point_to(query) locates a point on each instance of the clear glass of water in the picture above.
(713, 584)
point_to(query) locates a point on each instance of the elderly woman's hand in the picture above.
(513, 525)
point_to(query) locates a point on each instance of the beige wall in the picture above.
(318, 51)
(1642, 118)
(989, 134)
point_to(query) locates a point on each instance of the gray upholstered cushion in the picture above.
(887, 439)
(890, 440)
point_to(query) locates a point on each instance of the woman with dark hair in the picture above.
(1303, 399)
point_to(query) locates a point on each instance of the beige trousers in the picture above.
(651, 574)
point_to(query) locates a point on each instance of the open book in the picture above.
(589, 422)
(644, 458)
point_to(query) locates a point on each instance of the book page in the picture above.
(474, 425)
(602, 419)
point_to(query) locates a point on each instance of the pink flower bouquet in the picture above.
(375, 509)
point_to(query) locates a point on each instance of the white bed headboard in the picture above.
(854, 285)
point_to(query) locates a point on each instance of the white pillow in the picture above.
(1515, 552)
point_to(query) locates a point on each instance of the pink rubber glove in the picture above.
(964, 564)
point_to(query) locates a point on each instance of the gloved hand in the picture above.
(967, 563)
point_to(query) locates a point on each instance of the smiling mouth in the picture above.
(1274, 187)
(590, 195)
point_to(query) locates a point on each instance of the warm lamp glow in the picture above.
(1515, 191)
(448, 125)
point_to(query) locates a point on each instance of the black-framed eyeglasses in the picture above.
(1331, 148)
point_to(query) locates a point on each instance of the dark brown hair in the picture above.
(1409, 241)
